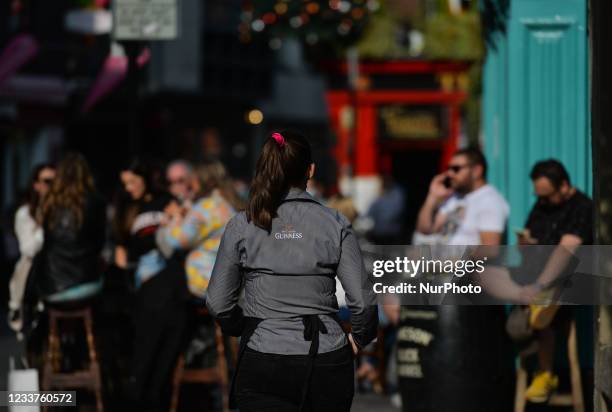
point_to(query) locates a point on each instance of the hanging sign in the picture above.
(145, 19)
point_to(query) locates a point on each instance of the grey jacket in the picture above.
(291, 272)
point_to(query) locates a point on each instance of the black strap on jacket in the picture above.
(313, 326)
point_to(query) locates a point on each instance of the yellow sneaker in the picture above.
(542, 387)
(540, 316)
(544, 308)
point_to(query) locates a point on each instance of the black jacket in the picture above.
(71, 255)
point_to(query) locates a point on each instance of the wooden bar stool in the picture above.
(573, 398)
(217, 374)
(88, 378)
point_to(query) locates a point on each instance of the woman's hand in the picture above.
(353, 344)
(174, 212)
(173, 209)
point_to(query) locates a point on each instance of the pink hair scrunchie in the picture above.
(279, 139)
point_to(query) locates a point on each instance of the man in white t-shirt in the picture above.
(461, 207)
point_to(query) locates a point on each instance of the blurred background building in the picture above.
(363, 79)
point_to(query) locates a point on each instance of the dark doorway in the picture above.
(413, 169)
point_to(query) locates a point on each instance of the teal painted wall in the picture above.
(535, 102)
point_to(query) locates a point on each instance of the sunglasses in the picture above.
(456, 168)
(47, 181)
(179, 181)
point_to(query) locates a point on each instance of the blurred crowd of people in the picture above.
(165, 225)
(165, 229)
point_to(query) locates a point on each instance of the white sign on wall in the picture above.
(145, 19)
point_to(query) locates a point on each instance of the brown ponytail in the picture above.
(283, 163)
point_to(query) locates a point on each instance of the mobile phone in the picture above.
(447, 182)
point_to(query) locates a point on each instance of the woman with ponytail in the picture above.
(286, 250)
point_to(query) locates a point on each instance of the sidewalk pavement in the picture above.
(372, 403)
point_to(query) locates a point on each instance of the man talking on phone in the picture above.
(454, 372)
(461, 206)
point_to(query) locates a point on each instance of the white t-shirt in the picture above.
(483, 210)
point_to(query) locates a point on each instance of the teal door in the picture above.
(536, 98)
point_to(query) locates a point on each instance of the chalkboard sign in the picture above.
(454, 358)
(145, 19)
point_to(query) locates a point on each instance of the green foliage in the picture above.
(380, 39)
(454, 37)
(446, 36)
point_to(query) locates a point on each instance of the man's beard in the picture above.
(463, 189)
(551, 207)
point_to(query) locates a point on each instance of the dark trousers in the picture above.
(270, 382)
(160, 317)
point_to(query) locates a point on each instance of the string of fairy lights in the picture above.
(314, 21)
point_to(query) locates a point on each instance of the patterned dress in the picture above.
(200, 232)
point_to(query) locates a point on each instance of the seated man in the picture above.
(562, 216)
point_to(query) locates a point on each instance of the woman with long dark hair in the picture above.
(137, 220)
(161, 295)
(30, 237)
(286, 250)
(73, 218)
